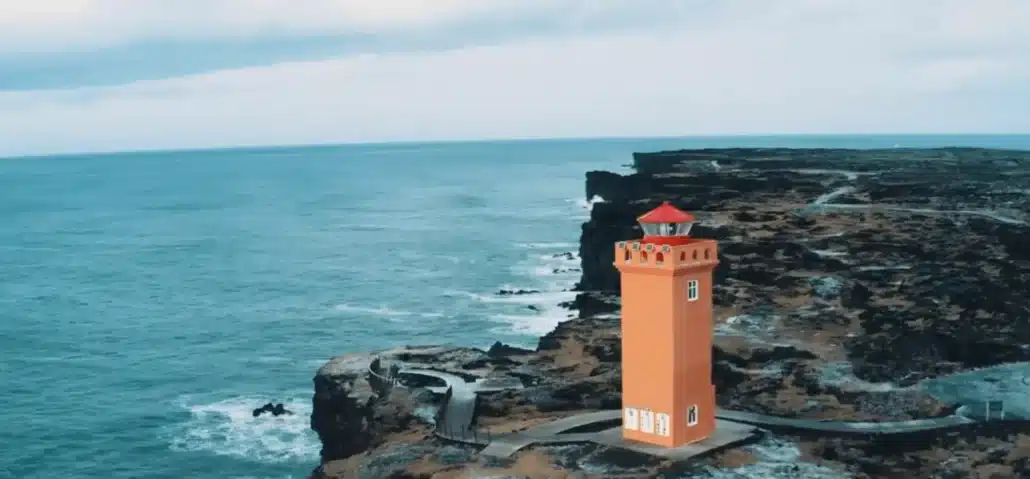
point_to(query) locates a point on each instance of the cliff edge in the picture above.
(854, 285)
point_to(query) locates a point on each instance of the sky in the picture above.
(115, 75)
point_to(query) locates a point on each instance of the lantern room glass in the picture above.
(666, 229)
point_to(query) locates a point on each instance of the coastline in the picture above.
(770, 356)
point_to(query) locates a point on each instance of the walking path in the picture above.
(926, 211)
(457, 413)
(844, 427)
(550, 433)
(457, 420)
(459, 410)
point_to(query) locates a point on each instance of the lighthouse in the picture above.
(667, 393)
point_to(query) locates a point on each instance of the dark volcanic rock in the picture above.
(343, 408)
(931, 266)
(609, 222)
(516, 292)
(574, 395)
(856, 296)
(591, 304)
(500, 350)
(836, 266)
(275, 409)
(391, 461)
(347, 414)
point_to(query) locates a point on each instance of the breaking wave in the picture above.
(228, 428)
(382, 311)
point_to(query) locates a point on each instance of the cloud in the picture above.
(69, 43)
(59, 25)
(801, 66)
(77, 25)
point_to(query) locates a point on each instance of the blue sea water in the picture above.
(149, 301)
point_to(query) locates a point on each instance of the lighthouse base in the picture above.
(727, 434)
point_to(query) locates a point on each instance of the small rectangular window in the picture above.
(692, 415)
(647, 421)
(662, 424)
(631, 421)
(692, 290)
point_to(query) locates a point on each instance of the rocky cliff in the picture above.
(914, 260)
(848, 279)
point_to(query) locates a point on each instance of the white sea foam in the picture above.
(545, 315)
(561, 276)
(841, 374)
(594, 200)
(541, 298)
(382, 311)
(550, 269)
(565, 258)
(753, 326)
(828, 197)
(557, 270)
(538, 322)
(547, 245)
(587, 204)
(777, 458)
(271, 359)
(315, 363)
(413, 255)
(228, 428)
(550, 276)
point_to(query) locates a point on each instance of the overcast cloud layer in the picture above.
(91, 75)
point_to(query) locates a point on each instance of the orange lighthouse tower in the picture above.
(667, 393)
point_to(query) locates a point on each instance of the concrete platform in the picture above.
(727, 434)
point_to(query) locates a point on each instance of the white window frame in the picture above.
(693, 290)
(647, 421)
(661, 424)
(697, 415)
(631, 421)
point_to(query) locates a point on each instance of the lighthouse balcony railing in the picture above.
(661, 255)
(381, 380)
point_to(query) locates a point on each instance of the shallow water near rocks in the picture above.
(1008, 383)
(149, 301)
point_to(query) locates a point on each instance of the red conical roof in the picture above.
(666, 213)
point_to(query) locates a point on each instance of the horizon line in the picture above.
(343, 144)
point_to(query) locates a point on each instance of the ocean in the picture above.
(149, 301)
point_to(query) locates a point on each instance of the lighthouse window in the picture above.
(692, 415)
(692, 290)
(647, 421)
(661, 424)
(631, 421)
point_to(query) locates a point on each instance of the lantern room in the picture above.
(666, 224)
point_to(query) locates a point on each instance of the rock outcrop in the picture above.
(915, 260)
(349, 415)
(847, 278)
